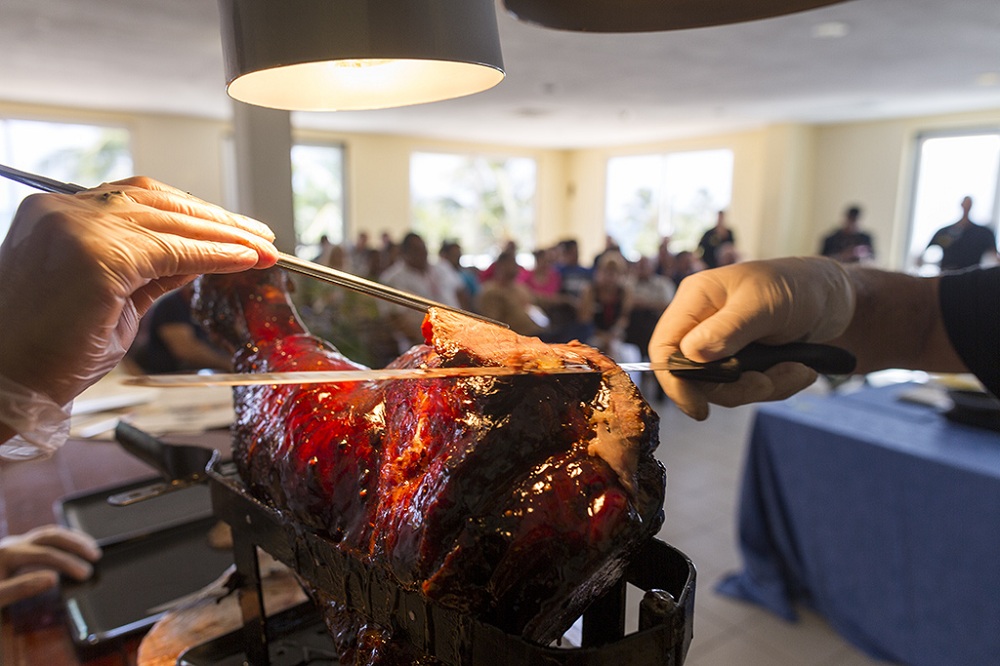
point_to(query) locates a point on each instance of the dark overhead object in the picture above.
(331, 55)
(651, 15)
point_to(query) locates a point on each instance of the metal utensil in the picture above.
(825, 359)
(346, 376)
(180, 465)
(286, 261)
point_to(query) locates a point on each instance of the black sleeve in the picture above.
(970, 306)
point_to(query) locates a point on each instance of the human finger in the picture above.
(689, 396)
(777, 383)
(165, 255)
(134, 217)
(151, 192)
(695, 301)
(47, 557)
(155, 220)
(26, 586)
(69, 540)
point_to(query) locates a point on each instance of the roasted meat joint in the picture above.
(516, 499)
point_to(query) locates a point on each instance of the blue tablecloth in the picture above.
(881, 515)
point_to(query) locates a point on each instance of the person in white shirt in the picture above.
(413, 272)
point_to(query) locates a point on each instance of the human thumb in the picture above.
(26, 586)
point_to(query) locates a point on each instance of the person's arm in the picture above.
(78, 271)
(193, 352)
(885, 319)
(897, 323)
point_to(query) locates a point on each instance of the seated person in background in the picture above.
(715, 238)
(726, 254)
(609, 301)
(685, 264)
(505, 299)
(543, 280)
(509, 247)
(651, 294)
(31, 563)
(567, 322)
(466, 284)
(174, 342)
(848, 243)
(414, 273)
(665, 258)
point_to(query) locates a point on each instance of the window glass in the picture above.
(84, 154)
(481, 202)
(675, 195)
(950, 168)
(318, 195)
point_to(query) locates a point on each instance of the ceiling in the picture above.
(563, 90)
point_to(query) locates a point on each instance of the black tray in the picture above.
(155, 552)
(91, 513)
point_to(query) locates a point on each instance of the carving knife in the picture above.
(824, 359)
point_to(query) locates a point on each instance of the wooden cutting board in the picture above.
(215, 612)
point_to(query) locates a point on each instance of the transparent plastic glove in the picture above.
(716, 313)
(31, 563)
(78, 271)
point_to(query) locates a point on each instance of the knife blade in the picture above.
(825, 359)
(344, 376)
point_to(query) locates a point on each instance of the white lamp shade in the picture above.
(340, 55)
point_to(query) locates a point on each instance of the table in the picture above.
(35, 632)
(881, 515)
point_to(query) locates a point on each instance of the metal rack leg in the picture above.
(251, 599)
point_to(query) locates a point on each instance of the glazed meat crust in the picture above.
(518, 499)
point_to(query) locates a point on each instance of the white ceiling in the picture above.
(898, 58)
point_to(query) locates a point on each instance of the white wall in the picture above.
(872, 164)
(790, 182)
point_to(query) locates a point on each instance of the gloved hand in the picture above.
(716, 313)
(30, 563)
(78, 271)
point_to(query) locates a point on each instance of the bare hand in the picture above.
(31, 563)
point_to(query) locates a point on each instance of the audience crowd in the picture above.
(612, 303)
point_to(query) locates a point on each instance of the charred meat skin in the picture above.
(518, 499)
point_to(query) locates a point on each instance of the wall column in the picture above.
(788, 169)
(263, 139)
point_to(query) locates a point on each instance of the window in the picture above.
(85, 154)
(318, 195)
(676, 195)
(949, 168)
(481, 202)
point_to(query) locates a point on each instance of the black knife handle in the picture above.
(825, 359)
